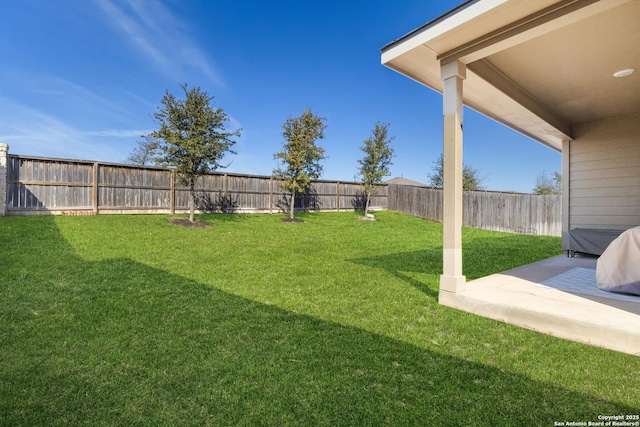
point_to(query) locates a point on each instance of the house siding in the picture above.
(604, 174)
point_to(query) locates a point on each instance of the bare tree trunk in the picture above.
(366, 204)
(192, 200)
(292, 204)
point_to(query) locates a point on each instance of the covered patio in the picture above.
(566, 73)
(534, 296)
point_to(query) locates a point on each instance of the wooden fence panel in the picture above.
(351, 197)
(29, 197)
(41, 185)
(524, 213)
(38, 184)
(209, 182)
(130, 176)
(423, 202)
(130, 188)
(248, 184)
(321, 197)
(248, 194)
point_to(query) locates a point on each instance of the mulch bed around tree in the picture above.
(184, 222)
(366, 218)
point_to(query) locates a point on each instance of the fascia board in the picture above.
(422, 36)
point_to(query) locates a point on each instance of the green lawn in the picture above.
(131, 320)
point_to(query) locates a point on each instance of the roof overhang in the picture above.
(540, 67)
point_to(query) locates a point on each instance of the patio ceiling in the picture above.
(540, 67)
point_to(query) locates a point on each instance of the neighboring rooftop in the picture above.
(404, 181)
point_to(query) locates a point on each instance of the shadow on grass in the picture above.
(400, 263)
(116, 343)
(481, 257)
(485, 256)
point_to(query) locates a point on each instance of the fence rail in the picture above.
(37, 185)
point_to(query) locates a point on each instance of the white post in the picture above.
(4, 149)
(566, 188)
(452, 280)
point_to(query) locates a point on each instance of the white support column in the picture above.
(566, 189)
(452, 280)
(4, 149)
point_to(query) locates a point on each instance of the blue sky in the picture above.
(81, 79)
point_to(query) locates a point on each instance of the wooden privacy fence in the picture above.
(36, 185)
(75, 187)
(511, 212)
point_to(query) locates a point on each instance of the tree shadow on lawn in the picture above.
(399, 263)
(480, 257)
(116, 342)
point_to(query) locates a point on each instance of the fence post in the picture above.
(96, 191)
(172, 192)
(338, 196)
(4, 149)
(271, 195)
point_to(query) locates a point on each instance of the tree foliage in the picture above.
(471, 179)
(145, 153)
(300, 156)
(192, 137)
(376, 161)
(547, 185)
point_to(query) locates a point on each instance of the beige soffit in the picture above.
(539, 67)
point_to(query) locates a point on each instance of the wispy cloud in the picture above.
(74, 102)
(30, 131)
(63, 90)
(160, 36)
(117, 133)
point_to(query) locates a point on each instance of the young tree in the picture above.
(376, 161)
(145, 153)
(192, 137)
(546, 185)
(300, 157)
(471, 179)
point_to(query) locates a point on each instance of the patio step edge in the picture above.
(626, 340)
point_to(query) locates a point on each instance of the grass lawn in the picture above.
(131, 320)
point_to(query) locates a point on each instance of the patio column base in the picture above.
(453, 284)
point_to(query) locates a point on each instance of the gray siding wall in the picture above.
(604, 177)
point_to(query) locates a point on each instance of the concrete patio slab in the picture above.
(516, 297)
